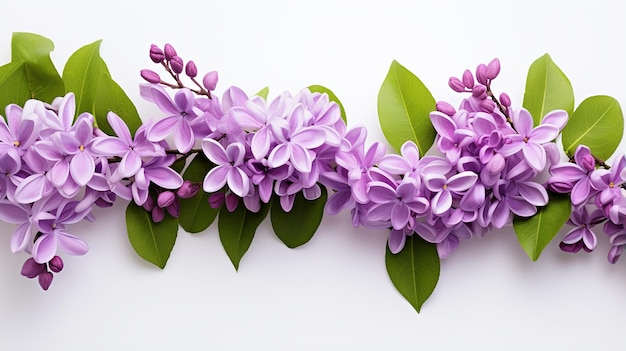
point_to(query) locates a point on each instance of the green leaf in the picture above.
(13, 85)
(547, 89)
(42, 78)
(297, 227)
(263, 93)
(82, 75)
(111, 98)
(152, 241)
(198, 168)
(598, 122)
(535, 233)
(195, 213)
(404, 106)
(237, 230)
(331, 97)
(414, 271)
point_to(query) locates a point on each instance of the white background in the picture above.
(333, 293)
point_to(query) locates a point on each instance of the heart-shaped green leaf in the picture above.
(297, 227)
(237, 230)
(331, 97)
(598, 122)
(547, 89)
(535, 233)
(152, 241)
(414, 271)
(404, 106)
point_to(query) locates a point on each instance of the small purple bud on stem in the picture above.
(31, 269)
(231, 202)
(166, 198)
(56, 264)
(445, 108)
(156, 54)
(588, 163)
(173, 209)
(45, 280)
(505, 100)
(158, 213)
(481, 74)
(187, 190)
(177, 64)
(150, 76)
(480, 91)
(487, 106)
(210, 80)
(493, 69)
(216, 200)
(169, 52)
(456, 84)
(191, 70)
(149, 204)
(468, 79)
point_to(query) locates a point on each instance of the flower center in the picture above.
(17, 143)
(525, 139)
(611, 185)
(81, 148)
(445, 186)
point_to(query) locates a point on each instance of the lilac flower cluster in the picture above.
(490, 169)
(597, 196)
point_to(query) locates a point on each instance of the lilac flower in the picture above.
(574, 177)
(451, 139)
(444, 188)
(529, 139)
(617, 238)
(608, 182)
(181, 116)
(397, 204)
(583, 221)
(360, 165)
(10, 166)
(229, 169)
(406, 164)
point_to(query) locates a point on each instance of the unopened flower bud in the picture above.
(468, 79)
(102, 203)
(493, 69)
(158, 213)
(505, 100)
(191, 70)
(177, 64)
(487, 106)
(31, 269)
(149, 204)
(480, 91)
(216, 200)
(588, 163)
(445, 108)
(150, 76)
(231, 202)
(156, 54)
(173, 209)
(210, 80)
(187, 190)
(481, 74)
(166, 198)
(456, 84)
(56, 264)
(169, 52)
(45, 280)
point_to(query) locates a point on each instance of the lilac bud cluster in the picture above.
(489, 170)
(597, 196)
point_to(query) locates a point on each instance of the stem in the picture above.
(601, 162)
(500, 107)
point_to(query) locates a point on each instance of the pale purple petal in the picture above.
(31, 189)
(164, 177)
(82, 168)
(235, 153)
(215, 179)
(130, 164)
(183, 136)
(441, 202)
(301, 158)
(156, 94)
(580, 191)
(395, 164)
(381, 192)
(521, 208)
(72, 244)
(162, 128)
(120, 128)
(462, 181)
(21, 237)
(13, 213)
(309, 138)
(534, 193)
(214, 151)
(535, 156)
(261, 142)
(238, 182)
(45, 248)
(396, 241)
(400, 214)
(556, 118)
(443, 124)
(109, 146)
(523, 122)
(543, 134)
(338, 201)
(59, 172)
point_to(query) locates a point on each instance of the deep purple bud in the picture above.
(480, 91)
(102, 203)
(487, 106)
(187, 190)
(505, 100)
(481, 74)
(216, 200)
(445, 108)
(156, 54)
(177, 64)
(56, 264)
(158, 214)
(456, 84)
(191, 70)
(169, 52)
(210, 80)
(150, 76)
(149, 204)
(31, 269)
(571, 248)
(493, 69)
(588, 163)
(166, 198)
(231, 202)
(468, 79)
(173, 209)
(45, 279)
